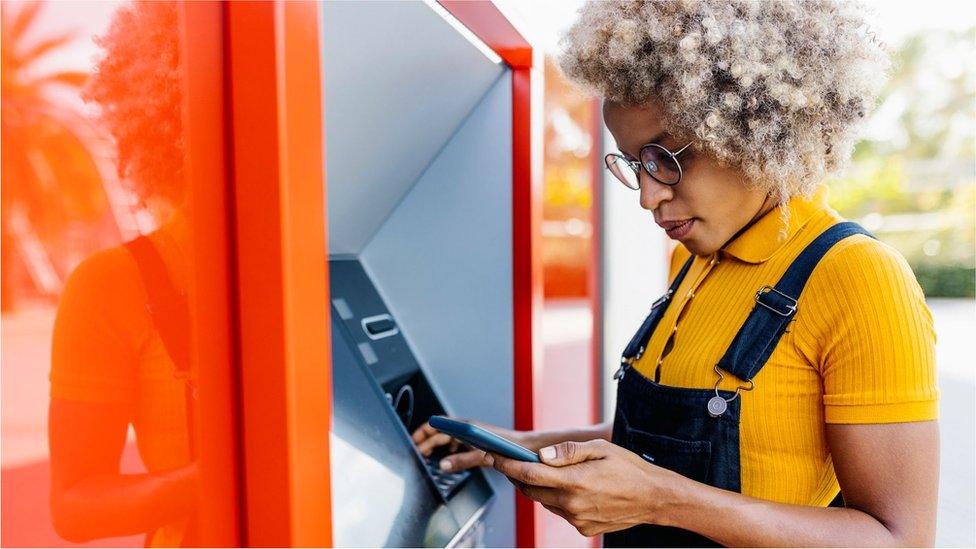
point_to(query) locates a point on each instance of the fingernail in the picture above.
(489, 459)
(549, 452)
(445, 465)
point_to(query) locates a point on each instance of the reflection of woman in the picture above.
(742, 411)
(120, 340)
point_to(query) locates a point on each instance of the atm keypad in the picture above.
(447, 483)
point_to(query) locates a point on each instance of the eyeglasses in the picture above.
(660, 163)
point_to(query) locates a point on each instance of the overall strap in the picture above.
(170, 316)
(167, 306)
(637, 343)
(776, 306)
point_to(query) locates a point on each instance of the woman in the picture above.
(792, 357)
(120, 353)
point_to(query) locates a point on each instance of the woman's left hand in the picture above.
(596, 486)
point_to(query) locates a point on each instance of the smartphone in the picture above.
(482, 439)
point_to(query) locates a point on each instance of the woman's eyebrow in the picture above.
(655, 139)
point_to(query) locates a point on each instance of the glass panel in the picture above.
(99, 378)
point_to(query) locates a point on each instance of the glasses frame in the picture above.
(636, 165)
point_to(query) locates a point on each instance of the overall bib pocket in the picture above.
(689, 458)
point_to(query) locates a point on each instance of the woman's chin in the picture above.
(698, 248)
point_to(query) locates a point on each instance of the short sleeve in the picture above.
(877, 358)
(93, 355)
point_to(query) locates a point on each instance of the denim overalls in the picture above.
(695, 432)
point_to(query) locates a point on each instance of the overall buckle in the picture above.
(624, 364)
(717, 405)
(663, 299)
(790, 307)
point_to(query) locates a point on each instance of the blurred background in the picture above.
(913, 183)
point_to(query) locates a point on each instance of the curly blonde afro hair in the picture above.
(776, 88)
(138, 85)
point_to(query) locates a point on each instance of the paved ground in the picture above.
(955, 326)
(23, 405)
(560, 402)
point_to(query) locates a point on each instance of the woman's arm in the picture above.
(888, 474)
(89, 498)
(100, 322)
(540, 439)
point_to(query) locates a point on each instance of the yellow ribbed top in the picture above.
(861, 348)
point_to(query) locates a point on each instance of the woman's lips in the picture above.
(678, 229)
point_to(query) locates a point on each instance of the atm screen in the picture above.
(381, 494)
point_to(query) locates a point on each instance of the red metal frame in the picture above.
(596, 256)
(282, 281)
(213, 300)
(274, 126)
(494, 29)
(497, 32)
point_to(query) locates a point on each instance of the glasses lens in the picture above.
(660, 164)
(619, 167)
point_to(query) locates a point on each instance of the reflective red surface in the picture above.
(102, 232)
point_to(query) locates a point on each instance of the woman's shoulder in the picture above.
(106, 267)
(99, 330)
(861, 273)
(862, 259)
(107, 280)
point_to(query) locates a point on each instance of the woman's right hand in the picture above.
(429, 439)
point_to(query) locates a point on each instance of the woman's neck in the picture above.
(767, 206)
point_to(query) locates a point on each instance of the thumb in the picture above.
(462, 461)
(570, 452)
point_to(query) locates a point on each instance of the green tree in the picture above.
(914, 180)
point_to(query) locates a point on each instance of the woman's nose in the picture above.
(653, 192)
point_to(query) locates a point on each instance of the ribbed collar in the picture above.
(762, 239)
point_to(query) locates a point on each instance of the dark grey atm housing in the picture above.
(381, 395)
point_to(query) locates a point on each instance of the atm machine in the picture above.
(386, 493)
(419, 157)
